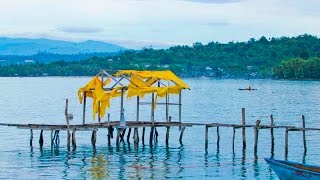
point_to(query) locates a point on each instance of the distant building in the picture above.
(29, 61)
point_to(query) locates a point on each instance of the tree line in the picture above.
(261, 58)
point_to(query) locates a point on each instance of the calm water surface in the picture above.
(42, 100)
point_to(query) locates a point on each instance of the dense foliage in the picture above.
(298, 68)
(253, 59)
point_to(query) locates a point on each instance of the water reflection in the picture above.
(243, 164)
(98, 169)
(148, 162)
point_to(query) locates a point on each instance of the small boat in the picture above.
(293, 170)
(247, 89)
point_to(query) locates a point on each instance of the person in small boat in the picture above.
(248, 88)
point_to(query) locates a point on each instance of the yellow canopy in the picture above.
(153, 76)
(141, 83)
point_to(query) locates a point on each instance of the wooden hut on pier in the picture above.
(130, 83)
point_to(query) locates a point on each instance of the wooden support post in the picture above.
(272, 135)
(138, 109)
(84, 108)
(152, 108)
(206, 137)
(180, 111)
(168, 131)
(52, 137)
(99, 112)
(31, 137)
(286, 144)
(74, 144)
(110, 134)
(121, 104)
(181, 134)
(167, 107)
(57, 137)
(151, 135)
(243, 128)
(143, 132)
(136, 136)
(118, 137)
(304, 134)
(136, 133)
(156, 134)
(68, 125)
(167, 135)
(41, 138)
(218, 137)
(122, 135)
(102, 80)
(94, 137)
(256, 136)
(128, 136)
(233, 138)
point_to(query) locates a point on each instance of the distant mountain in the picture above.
(24, 46)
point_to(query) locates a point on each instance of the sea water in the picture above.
(42, 100)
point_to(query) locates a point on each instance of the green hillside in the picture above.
(252, 59)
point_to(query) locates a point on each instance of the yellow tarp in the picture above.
(94, 89)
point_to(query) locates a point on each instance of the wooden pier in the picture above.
(138, 85)
(121, 131)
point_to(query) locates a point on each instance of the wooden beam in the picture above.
(117, 82)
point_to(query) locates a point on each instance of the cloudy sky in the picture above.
(158, 23)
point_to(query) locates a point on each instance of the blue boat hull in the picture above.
(286, 170)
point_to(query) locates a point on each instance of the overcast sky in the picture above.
(160, 23)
